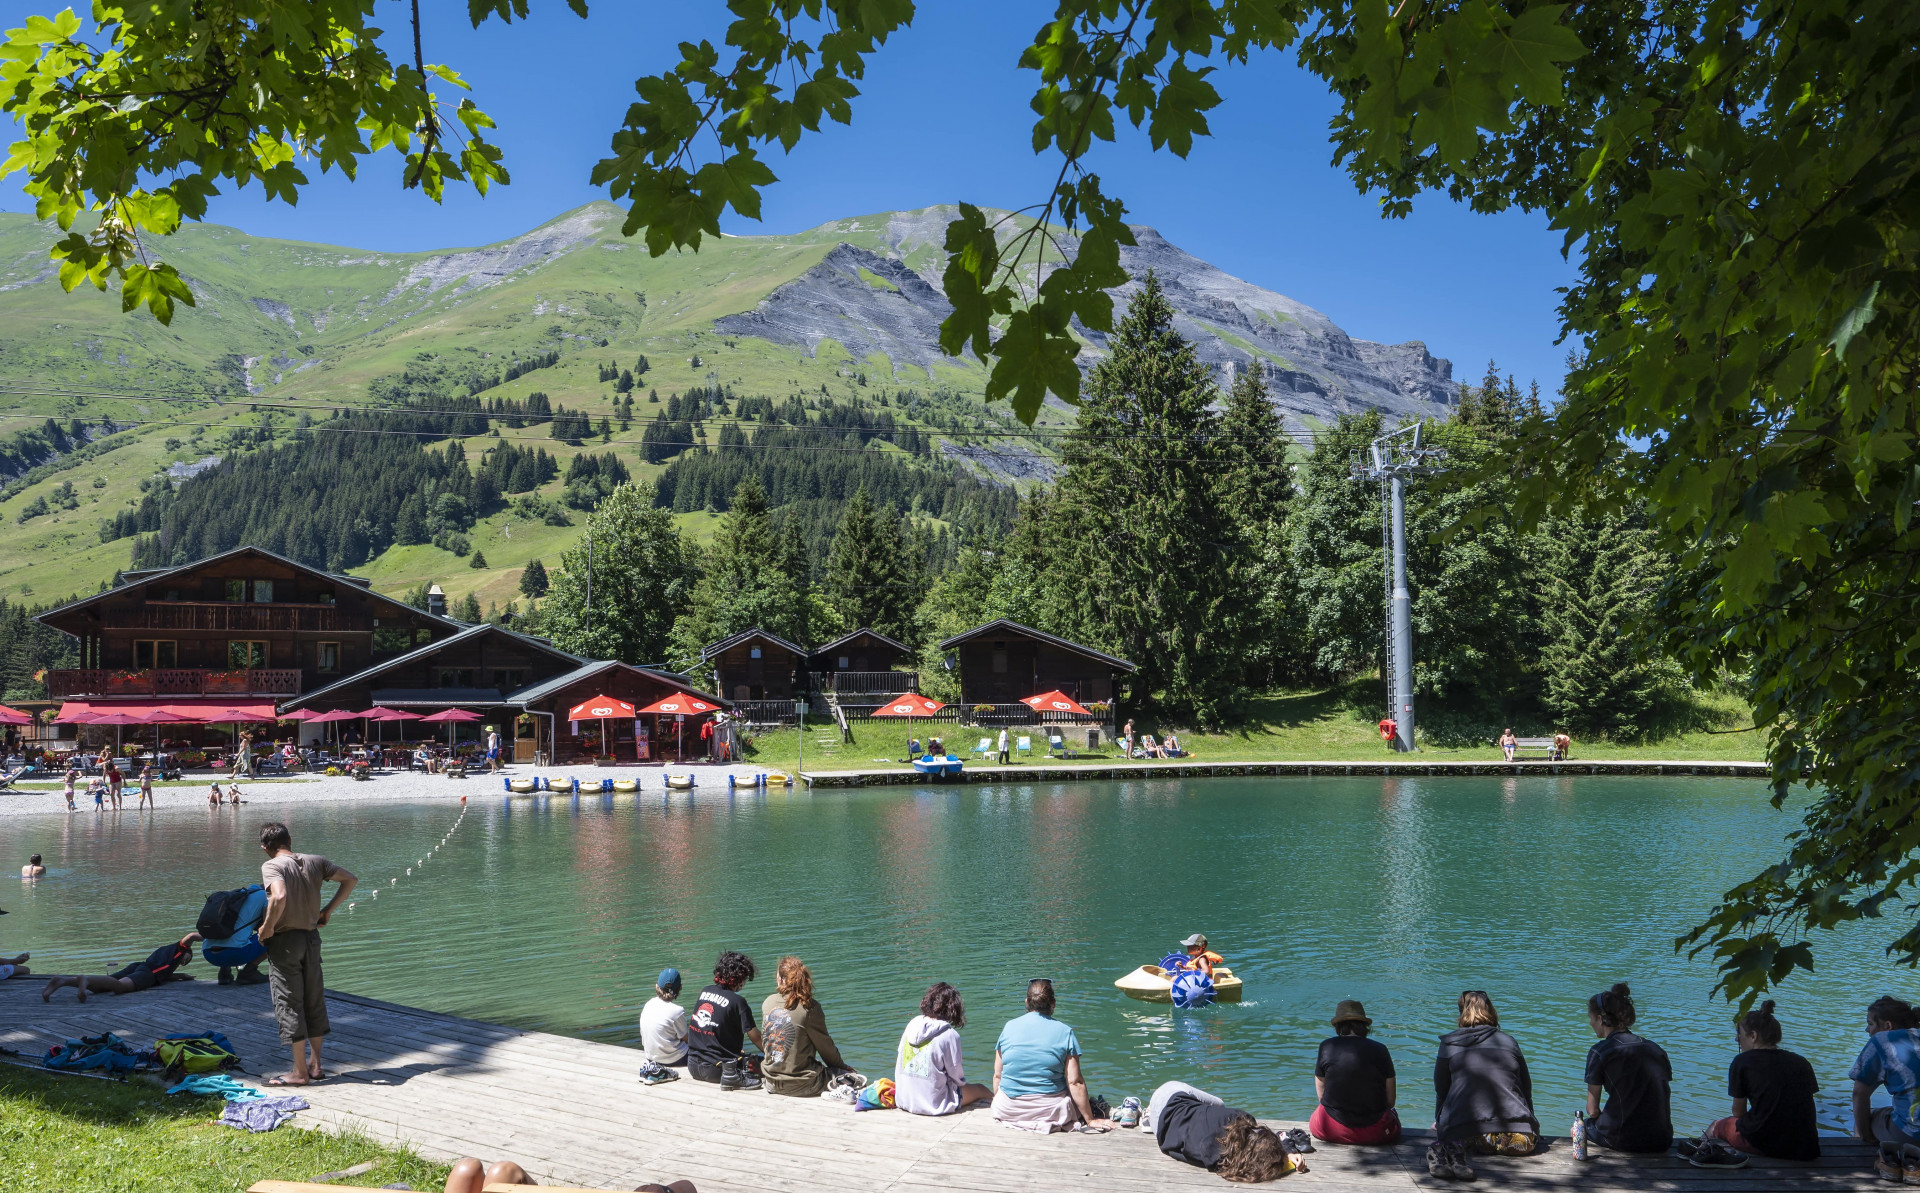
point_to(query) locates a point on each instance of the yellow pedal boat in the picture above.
(1150, 983)
(679, 782)
(626, 786)
(522, 786)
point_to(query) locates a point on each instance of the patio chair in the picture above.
(1057, 746)
(984, 749)
(1023, 745)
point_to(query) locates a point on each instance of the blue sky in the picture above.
(944, 117)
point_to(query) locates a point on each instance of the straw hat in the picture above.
(1350, 1011)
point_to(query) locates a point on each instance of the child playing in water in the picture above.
(146, 788)
(73, 776)
(97, 788)
(213, 793)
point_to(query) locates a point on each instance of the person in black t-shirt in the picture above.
(1353, 1078)
(1635, 1074)
(1772, 1091)
(720, 1026)
(162, 965)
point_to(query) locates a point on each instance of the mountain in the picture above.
(847, 312)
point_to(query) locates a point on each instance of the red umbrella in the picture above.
(300, 714)
(117, 719)
(911, 705)
(1055, 701)
(13, 716)
(448, 718)
(600, 708)
(679, 703)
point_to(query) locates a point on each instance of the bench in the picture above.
(1543, 746)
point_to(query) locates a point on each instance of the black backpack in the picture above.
(221, 915)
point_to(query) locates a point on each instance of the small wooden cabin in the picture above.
(865, 663)
(1003, 662)
(756, 665)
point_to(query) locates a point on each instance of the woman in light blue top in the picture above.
(1037, 1083)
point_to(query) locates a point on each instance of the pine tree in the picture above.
(410, 523)
(871, 580)
(643, 572)
(1601, 676)
(747, 580)
(477, 560)
(533, 581)
(469, 610)
(1143, 523)
(1258, 487)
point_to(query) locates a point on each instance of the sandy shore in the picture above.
(390, 786)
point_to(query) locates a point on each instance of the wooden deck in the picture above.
(1040, 771)
(573, 1112)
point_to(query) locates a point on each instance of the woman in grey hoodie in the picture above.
(1482, 1090)
(928, 1077)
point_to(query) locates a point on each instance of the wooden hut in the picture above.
(1003, 662)
(756, 665)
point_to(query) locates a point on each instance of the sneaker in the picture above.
(1126, 1116)
(1685, 1146)
(1889, 1164)
(1100, 1106)
(1717, 1153)
(1298, 1141)
(655, 1073)
(1447, 1162)
(250, 976)
(226, 975)
(1910, 1160)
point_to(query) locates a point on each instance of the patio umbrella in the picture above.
(448, 718)
(679, 704)
(384, 715)
(911, 705)
(117, 719)
(1055, 701)
(13, 716)
(600, 708)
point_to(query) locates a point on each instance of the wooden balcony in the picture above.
(173, 681)
(236, 616)
(871, 683)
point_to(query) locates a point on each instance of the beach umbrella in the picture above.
(449, 717)
(13, 716)
(600, 708)
(300, 714)
(679, 704)
(117, 719)
(911, 705)
(391, 714)
(1055, 701)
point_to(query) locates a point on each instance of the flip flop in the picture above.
(282, 1080)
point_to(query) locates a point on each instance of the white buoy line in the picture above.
(421, 862)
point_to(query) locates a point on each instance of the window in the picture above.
(327, 656)
(509, 679)
(844, 660)
(236, 590)
(392, 640)
(753, 653)
(242, 655)
(150, 654)
(263, 591)
(456, 677)
(323, 597)
(999, 658)
(172, 594)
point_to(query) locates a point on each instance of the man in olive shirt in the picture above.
(291, 933)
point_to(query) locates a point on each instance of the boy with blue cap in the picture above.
(663, 1030)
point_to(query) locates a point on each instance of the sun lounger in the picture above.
(984, 749)
(1057, 746)
(1023, 745)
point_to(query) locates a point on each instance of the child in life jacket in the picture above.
(1199, 956)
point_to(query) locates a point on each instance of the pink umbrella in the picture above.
(13, 716)
(300, 714)
(448, 718)
(117, 719)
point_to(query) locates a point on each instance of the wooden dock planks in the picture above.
(573, 1112)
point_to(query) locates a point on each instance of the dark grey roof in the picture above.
(149, 575)
(1014, 627)
(420, 652)
(845, 638)
(547, 687)
(438, 697)
(732, 640)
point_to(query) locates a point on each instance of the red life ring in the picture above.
(1388, 728)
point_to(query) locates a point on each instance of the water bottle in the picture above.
(1580, 1151)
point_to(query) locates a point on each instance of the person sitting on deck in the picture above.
(1195, 1126)
(1482, 1089)
(800, 1053)
(929, 1076)
(663, 1022)
(1890, 1058)
(722, 1022)
(1772, 1091)
(1635, 1074)
(14, 966)
(162, 966)
(1199, 956)
(1354, 1081)
(1037, 1082)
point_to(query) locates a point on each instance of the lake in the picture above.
(1401, 892)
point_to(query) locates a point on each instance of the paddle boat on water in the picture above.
(522, 786)
(936, 767)
(625, 786)
(679, 782)
(1151, 983)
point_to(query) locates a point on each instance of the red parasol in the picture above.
(13, 716)
(600, 708)
(448, 718)
(679, 704)
(1055, 701)
(300, 714)
(911, 705)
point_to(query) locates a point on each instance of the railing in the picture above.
(877, 683)
(174, 681)
(766, 712)
(221, 615)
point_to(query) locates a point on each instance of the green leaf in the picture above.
(1854, 321)
(1530, 52)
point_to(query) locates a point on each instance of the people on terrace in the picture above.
(929, 1076)
(800, 1055)
(1353, 1079)
(1772, 1091)
(1037, 1081)
(663, 1022)
(721, 1025)
(1635, 1075)
(1482, 1089)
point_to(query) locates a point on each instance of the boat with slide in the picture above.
(1150, 983)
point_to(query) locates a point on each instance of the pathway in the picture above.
(1040, 771)
(573, 1112)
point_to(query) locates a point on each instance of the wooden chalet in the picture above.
(1003, 662)
(652, 738)
(242, 629)
(756, 665)
(864, 667)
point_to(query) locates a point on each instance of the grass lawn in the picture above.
(1309, 726)
(64, 1132)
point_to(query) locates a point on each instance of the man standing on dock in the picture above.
(291, 932)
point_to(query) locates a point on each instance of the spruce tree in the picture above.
(469, 610)
(1601, 676)
(477, 560)
(747, 580)
(533, 581)
(871, 580)
(1145, 535)
(1258, 485)
(643, 575)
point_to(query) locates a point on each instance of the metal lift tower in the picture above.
(1391, 459)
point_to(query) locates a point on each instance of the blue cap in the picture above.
(669, 979)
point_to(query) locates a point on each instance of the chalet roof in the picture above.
(1006, 628)
(733, 640)
(876, 635)
(468, 634)
(547, 687)
(434, 697)
(149, 575)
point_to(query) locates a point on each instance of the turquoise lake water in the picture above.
(1399, 892)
